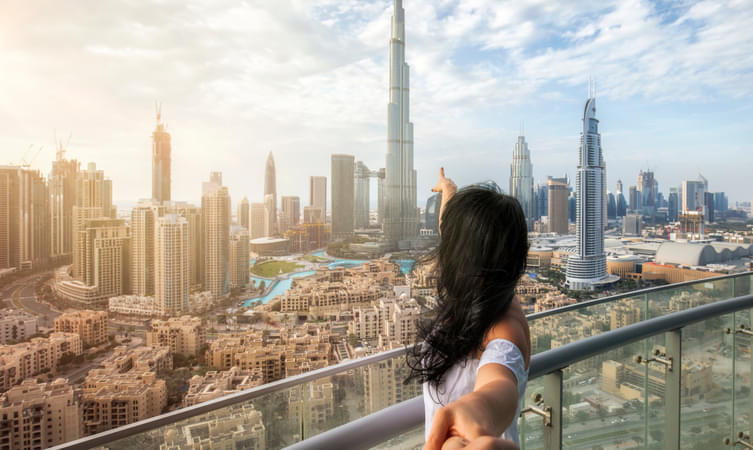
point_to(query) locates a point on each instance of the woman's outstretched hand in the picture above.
(445, 185)
(482, 443)
(466, 423)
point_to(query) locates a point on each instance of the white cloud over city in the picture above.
(305, 79)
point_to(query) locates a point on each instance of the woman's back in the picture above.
(473, 356)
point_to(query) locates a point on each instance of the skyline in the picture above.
(698, 93)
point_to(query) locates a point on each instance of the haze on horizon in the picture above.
(305, 79)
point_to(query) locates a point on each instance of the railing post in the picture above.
(553, 397)
(672, 390)
(750, 395)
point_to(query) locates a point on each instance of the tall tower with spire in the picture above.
(161, 150)
(270, 193)
(588, 265)
(399, 196)
(521, 176)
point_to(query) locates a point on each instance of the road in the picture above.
(21, 295)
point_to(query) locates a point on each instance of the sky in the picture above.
(307, 78)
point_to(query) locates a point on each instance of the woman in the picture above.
(473, 357)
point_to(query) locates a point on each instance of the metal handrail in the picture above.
(398, 419)
(289, 382)
(228, 400)
(631, 294)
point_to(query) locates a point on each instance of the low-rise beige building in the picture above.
(215, 384)
(333, 290)
(312, 405)
(16, 325)
(140, 359)
(184, 335)
(110, 400)
(90, 325)
(38, 415)
(234, 427)
(40, 355)
(387, 320)
(291, 352)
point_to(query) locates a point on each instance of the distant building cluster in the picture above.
(332, 291)
(91, 326)
(184, 335)
(16, 325)
(39, 355)
(146, 306)
(276, 354)
(125, 390)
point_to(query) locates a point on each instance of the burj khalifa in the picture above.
(401, 216)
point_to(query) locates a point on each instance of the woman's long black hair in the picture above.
(479, 260)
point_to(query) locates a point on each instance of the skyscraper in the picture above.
(431, 214)
(318, 194)
(541, 200)
(673, 204)
(291, 212)
(693, 194)
(81, 214)
(342, 194)
(572, 207)
(634, 200)
(192, 214)
(312, 214)
(143, 225)
(242, 213)
(362, 195)
(521, 177)
(620, 200)
(709, 208)
(271, 209)
(161, 159)
(258, 220)
(172, 277)
(62, 186)
(104, 250)
(270, 188)
(215, 215)
(400, 210)
(588, 264)
(239, 260)
(24, 218)
(611, 206)
(646, 186)
(557, 205)
(94, 190)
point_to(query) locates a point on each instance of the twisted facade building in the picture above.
(588, 265)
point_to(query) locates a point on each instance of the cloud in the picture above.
(307, 78)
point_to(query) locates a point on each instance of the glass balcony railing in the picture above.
(584, 371)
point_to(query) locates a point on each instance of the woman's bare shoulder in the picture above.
(514, 328)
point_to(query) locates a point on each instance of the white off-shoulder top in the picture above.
(461, 378)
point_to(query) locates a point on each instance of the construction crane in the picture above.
(25, 160)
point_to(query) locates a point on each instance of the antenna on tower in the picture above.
(589, 86)
(158, 108)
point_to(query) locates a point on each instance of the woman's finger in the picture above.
(439, 430)
(454, 443)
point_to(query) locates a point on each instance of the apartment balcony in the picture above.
(666, 367)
